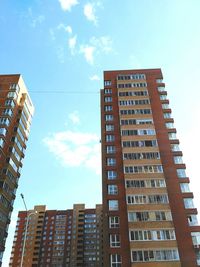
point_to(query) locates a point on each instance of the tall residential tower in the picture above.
(149, 215)
(16, 110)
(58, 238)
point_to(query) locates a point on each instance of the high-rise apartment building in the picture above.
(16, 110)
(58, 238)
(149, 215)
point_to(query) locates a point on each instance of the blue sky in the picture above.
(61, 48)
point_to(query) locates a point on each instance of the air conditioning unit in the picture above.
(196, 246)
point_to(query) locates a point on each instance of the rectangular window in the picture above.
(169, 125)
(188, 203)
(181, 173)
(167, 115)
(153, 183)
(109, 117)
(111, 161)
(163, 97)
(147, 199)
(155, 255)
(114, 241)
(192, 220)
(107, 83)
(110, 138)
(144, 143)
(112, 189)
(138, 156)
(109, 127)
(159, 80)
(178, 160)
(143, 169)
(184, 187)
(161, 88)
(4, 121)
(115, 260)
(172, 136)
(175, 147)
(110, 149)
(108, 91)
(165, 106)
(3, 131)
(108, 108)
(114, 222)
(113, 205)
(111, 175)
(152, 235)
(1, 142)
(108, 99)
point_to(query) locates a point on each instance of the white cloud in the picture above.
(52, 34)
(104, 43)
(66, 5)
(94, 78)
(72, 44)
(74, 117)
(75, 149)
(88, 52)
(66, 28)
(89, 12)
(96, 46)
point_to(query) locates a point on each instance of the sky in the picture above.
(61, 48)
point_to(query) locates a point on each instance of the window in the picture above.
(108, 91)
(109, 117)
(181, 173)
(135, 111)
(178, 160)
(111, 161)
(172, 136)
(108, 99)
(110, 138)
(113, 205)
(114, 221)
(145, 143)
(115, 260)
(143, 169)
(165, 106)
(169, 125)
(134, 102)
(112, 189)
(111, 175)
(188, 203)
(153, 183)
(4, 121)
(147, 199)
(163, 97)
(175, 147)
(167, 115)
(195, 238)
(137, 156)
(192, 219)
(110, 149)
(109, 127)
(131, 77)
(133, 93)
(161, 88)
(114, 240)
(154, 235)
(159, 80)
(155, 255)
(138, 132)
(3, 131)
(139, 216)
(1, 142)
(108, 108)
(184, 187)
(129, 85)
(8, 112)
(107, 83)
